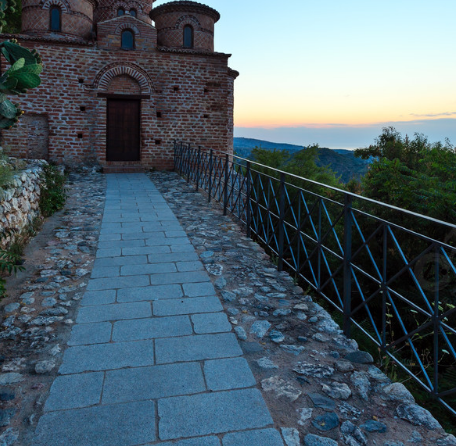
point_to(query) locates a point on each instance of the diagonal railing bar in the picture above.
(377, 273)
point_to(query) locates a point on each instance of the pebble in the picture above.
(374, 426)
(220, 283)
(291, 436)
(361, 383)
(326, 422)
(315, 440)
(314, 370)
(266, 363)
(418, 416)
(305, 414)
(10, 378)
(281, 388)
(293, 349)
(360, 357)
(276, 336)
(49, 302)
(260, 328)
(398, 392)
(228, 296)
(11, 307)
(241, 334)
(281, 312)
(337, 390)
(43, 367)
(322, 402)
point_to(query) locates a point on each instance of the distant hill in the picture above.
(342, 162)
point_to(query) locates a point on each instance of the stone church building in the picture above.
(121, 81)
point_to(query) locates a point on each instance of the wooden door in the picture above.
(123, 130)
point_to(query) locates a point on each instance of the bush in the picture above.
(53, 194)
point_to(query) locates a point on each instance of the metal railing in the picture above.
(366, 259)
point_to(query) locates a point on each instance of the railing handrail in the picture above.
(336, 189)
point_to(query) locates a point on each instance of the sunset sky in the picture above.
(335, 72)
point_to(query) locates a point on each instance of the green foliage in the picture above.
(12, 16)
(6, 171)
(22, 75)
(53, 193)
(413, 174)
(303, 164)
(9, 262)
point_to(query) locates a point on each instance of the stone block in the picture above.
(197, 348)
(151, 328)
(165, 279)
(189, 416)
(102, 313)
(150, 293)
(93, 358)
(264, 437)
(210, 323)
(75, 391)
(228, 374)
(198, 289)
(104, 297)
(88, 334)
(188, 305)
(118, 282)
(119, 425)
(146, 383)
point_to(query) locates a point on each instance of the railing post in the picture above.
(225, 185)
(181, 163)
(281, 220)
(247, 201)
(436, 319)
(210, 176)
(189, 162)
(198, 167)
(348, 222)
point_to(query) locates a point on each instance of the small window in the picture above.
(188, 36)
(128, 40)
(56, 19)
(133, 13)
(120, 12)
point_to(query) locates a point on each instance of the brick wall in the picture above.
(192, 92)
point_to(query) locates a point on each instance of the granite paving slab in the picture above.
(152, 359)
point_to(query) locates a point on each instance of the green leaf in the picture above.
(18, 64)
(8, 109)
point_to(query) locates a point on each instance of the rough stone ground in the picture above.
(38, 313)
(296, 353)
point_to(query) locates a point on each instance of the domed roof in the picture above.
(184, 6)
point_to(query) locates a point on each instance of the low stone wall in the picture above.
(19, 203)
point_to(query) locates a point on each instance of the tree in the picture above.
(413, 174)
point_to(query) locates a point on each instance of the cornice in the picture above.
(67, 40)
(165, 49)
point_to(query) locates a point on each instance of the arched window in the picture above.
(128, 39)
(133, 13)
(188, 36)
(55, 18)
(120, 12)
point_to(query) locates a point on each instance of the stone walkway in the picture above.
(152, 358)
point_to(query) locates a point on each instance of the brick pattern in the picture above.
(170, 28)
(124, 84)
(109, 34)
(107, 9)
(77, 17)
(191, 92)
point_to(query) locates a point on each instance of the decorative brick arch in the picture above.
(105, 76)
(187, 20)
(130, 26)
(127, 6)
(63, 4)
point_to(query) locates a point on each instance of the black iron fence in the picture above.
(388, 272)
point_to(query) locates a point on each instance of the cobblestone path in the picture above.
(152, 358)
